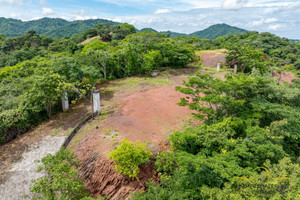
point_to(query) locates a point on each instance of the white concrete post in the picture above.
(96, 101)
(235, 69)
(218, 67)
(65, 101)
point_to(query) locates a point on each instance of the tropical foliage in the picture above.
(62, 181)
(248, 147)
(43, 68)
(129, 156)
(51, 27)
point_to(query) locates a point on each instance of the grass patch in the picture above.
(135, 82)
(217, 51)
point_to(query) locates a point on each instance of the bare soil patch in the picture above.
(146, 113)
(285, 77)
(88, 40)
(211, 58)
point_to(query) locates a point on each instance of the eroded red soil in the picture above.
(88, 40)
(210, 59)
(285, 77)
(148, 114)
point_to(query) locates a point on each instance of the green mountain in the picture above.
(294, 40)
(51, 27)
(173, 34)
(56, 27)
(218, 30)
(170, 33)
(148, 29)
(211, 32)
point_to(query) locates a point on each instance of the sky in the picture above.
(185, 16)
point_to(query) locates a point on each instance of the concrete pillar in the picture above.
(218, 67)
(235, 69)
(65, 101)
(96, 101)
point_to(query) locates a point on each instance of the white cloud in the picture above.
(43, 2)
(85, 17)
(47, 11)
(14, 15)
(290, 6)
(11, 2)
(270, 20)
(159, 11)
(274, 27)
(264, 21)
(79, 12)
(202, 3)
(257, 23)
(233, 4)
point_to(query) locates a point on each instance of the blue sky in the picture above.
(279, 17)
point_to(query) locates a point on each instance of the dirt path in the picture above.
(60, 125)
(15, 184)
(17, 158)
(90, 39)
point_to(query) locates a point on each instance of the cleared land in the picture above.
(139, 108)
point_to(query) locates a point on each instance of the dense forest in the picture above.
(212, 32)
(247, 146)
(217, 30)
(51, 27)
(58, 28)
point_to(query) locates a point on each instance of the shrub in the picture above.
(129, 156)
(62, 181)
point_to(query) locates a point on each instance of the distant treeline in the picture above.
(56, 27)
(278, 50)
(51, 27)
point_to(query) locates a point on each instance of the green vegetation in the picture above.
(248, 147)
(129, 156)
(280, 51)
(212, 32)
(62, 181)
(218, 30)
(51, 27)
(43, 68)
(247, 58)
(59, 28)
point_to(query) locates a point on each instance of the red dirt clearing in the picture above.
(88, 40)
(211, 58)
(285, 77)
(148, 114)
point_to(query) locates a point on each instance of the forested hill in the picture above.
(218, 30)
(212, 32)
(51, 27)
(58, 28)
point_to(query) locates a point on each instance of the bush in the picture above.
(62, 181)
(129, 156)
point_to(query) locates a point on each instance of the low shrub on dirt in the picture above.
(128, 156)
